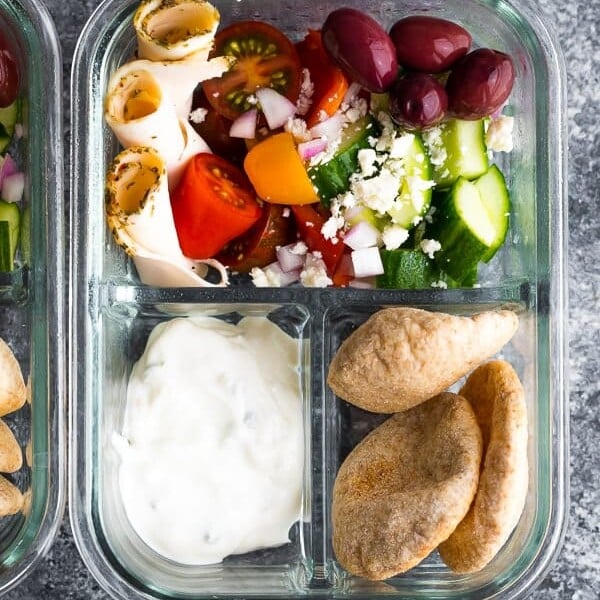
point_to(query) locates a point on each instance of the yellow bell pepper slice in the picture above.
(277, 172)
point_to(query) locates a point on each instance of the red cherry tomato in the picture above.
(264, 58)
(213, 204)
(330, 83)
(309, 223)
(258, 246)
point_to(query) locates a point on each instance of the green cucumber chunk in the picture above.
(457, 149)
(10, 218)
(496, 199)
(416, 188)
(406, 269)
(464, 229)
(8, 120)
(332, 178)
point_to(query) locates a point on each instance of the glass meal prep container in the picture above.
(113, 315)
(32, 294)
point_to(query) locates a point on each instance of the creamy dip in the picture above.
(212, 452)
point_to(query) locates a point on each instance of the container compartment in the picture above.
(346, 425)
(281, 569)
(32, 308)
(113, 314)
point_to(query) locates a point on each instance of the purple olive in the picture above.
(479, 84)
(418, 101)
(9, 78)
(361, 48)
(429, 44)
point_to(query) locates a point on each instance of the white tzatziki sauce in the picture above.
(213, 442)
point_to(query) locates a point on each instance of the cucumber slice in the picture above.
(407, 269)
(457, 149)
(333, 177)
(8, 120)
(496, 199)
(464, 229)
(10, 218)
(416, 189)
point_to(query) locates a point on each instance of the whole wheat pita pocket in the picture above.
(402, 356)
(498, 400)
(12, 387)
(405, 487)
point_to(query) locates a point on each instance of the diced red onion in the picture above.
(367, 262)
(330, 128)
(245, 125)
(288, 260)
(276, 108)
(9, 167)
(311, 148)
(12, 187)
(368, 283)
(351, 93)
(285, 278)
(362, 235)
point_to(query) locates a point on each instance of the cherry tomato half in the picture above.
(213, 204)
(214, 129)
(330, 83)
(309, 223)
(258, 246)
(264, 58)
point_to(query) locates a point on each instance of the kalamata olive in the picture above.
(361, 48)
(429, 44)
(9, 78)
(480, 83)
(417, 101)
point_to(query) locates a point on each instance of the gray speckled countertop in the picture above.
(576, 574)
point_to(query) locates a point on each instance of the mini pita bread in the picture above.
(11, 499)
(405, 487)
(498, 399)
(12, 387)
(11, 457)
(402, 356)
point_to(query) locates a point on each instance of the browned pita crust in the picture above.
(498, 399)
(403, 356)
(11, 457)
(11, 499)
(405, 487)
(12, 386)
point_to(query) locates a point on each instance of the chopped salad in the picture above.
(351, 157)
(11, 178)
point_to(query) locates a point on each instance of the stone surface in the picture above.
(576, 574)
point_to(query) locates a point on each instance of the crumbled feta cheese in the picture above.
(307, 90)
(367, 158)
(437, 152)
(198, 115)
(299, 248)
(322, 116)
(401, 145)
(331, 227)
(430, 247)
(499, 134)
(394, 236)
(285, 213)
(298, 128)
(252, 99)
(314, 273)
(377, 193)
(439, 284)
(265, 277)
